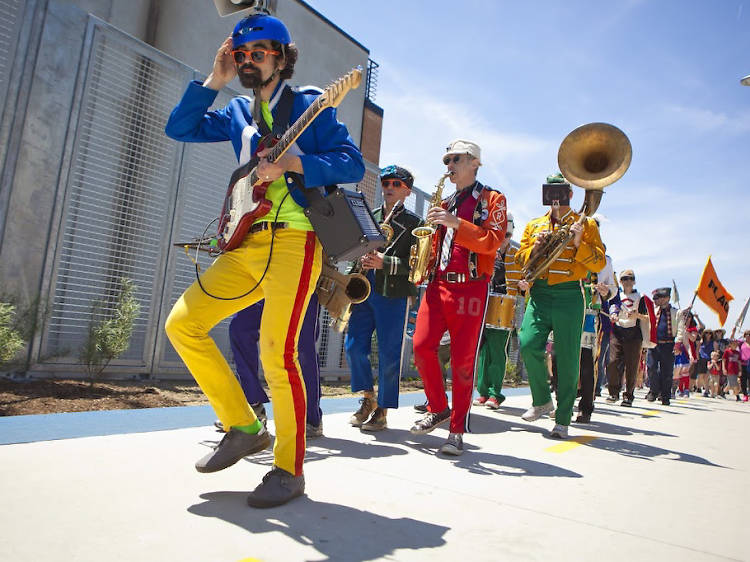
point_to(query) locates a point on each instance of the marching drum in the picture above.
(588, 336)
(500, 310)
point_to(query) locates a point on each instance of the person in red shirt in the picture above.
(730, 366)
(471, 226)
(714, 373)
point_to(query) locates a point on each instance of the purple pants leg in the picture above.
(244, 331)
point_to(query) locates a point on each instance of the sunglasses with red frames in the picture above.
(447, 159)
(394, 183)
(256, 55)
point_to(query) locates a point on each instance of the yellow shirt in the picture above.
(574, 263)
(290, 211)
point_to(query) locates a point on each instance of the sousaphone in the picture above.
(592, 156)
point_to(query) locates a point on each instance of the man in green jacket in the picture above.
(385, 310)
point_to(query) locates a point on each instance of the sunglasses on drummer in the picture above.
(256, 55)
(627, 278)
(394, 183)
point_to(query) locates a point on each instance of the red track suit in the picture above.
(456, 297)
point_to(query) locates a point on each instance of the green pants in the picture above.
(559, 309)
(492, 358)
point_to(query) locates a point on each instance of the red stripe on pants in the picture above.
(290, 346)
(459, 308)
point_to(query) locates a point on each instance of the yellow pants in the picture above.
(287, 286)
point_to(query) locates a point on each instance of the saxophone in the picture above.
(421, 252)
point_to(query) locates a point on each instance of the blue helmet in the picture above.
(260, 26)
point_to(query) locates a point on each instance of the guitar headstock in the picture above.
(334, 94)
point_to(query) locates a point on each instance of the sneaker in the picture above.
(737, 397)
(744, 398)
(277, 488)
(492, 403)
(665, 401)
(454, 446)
(583, 418)
(234, 446)
(377, 421)
(314, 431)
(706, 394)
(559, 431)
(430, 421)
(536, 412)
(480, 401)
(359, 417)
(626, 402)
(612, 398)
(421, 408)
(650, 397)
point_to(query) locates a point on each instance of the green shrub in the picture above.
(110, 337)
(11, 341)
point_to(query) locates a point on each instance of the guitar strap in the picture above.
(281, 122)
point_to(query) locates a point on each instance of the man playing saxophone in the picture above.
(556, 302)
(471, 227)
(385, 310)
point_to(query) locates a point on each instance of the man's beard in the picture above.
(252, 81)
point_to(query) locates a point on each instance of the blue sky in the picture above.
(518, 76)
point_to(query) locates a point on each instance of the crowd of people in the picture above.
(577, 324)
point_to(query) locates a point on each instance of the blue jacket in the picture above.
(328, 154)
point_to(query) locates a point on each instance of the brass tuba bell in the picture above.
(594, 156)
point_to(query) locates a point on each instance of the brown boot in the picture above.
(360, 416)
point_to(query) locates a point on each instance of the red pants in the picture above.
(460, 309)
(684, 383)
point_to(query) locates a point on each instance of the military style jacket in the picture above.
(574, 263)
(393, 279)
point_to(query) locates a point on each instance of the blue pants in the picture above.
(387, 318)
(244, 330)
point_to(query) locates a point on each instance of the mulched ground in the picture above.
(47, 396)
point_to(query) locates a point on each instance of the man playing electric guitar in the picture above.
(279, 260)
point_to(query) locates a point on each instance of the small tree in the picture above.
(11, 341)
(110, 338)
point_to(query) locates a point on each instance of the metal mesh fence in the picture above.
(116, 206)
(10, 23)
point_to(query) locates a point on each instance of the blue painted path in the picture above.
(49, 427)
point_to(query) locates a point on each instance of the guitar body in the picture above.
(244, 203)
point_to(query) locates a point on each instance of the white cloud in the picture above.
(707, 120)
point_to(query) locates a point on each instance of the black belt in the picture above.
(453, 277)
(265, 225)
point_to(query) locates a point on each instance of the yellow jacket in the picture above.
(573, 264)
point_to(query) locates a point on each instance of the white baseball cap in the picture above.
(461, 146)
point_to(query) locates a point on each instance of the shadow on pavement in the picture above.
(337, 531)
(641, 451)
(474, 459)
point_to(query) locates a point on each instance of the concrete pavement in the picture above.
(650, 482)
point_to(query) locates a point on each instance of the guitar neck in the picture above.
(293, 132)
